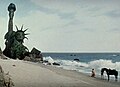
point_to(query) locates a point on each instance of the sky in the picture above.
(66, 25)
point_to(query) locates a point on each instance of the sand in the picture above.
(29, 74)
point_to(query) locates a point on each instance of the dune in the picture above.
(29, 74)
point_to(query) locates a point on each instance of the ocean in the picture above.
(87, 61)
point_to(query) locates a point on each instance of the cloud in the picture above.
(115, 30)
(86, 28)
(114, 13)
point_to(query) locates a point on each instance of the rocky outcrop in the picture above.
(5, 79)
(1, 77)
(35, 56)
(77, 60)
(36, 53)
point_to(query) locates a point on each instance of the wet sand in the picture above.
(29, 74)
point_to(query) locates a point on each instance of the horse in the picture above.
(109, 72)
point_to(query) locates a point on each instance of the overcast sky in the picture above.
(66, 25)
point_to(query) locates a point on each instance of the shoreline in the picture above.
(77, 75)
(30, 74)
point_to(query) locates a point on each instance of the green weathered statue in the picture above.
(14, 39)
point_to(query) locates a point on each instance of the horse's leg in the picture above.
(108, 77)
(102, 76)
(115, 78)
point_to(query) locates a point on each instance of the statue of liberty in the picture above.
(14, 39)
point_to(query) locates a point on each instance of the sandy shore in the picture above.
(28, 74)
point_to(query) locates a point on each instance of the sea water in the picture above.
(87, 61)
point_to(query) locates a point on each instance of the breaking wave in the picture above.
(105, 63)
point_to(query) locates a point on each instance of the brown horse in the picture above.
(110, 72)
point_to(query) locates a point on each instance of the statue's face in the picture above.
(20, 36)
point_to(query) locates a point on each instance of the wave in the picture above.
(49, 59)
(86, 67)
(101, 63)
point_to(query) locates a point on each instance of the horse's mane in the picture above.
(104, 69)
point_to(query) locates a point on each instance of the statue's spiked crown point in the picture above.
(22, 31)
(22, 27)
(16, 27)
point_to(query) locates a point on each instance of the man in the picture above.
(93, 73)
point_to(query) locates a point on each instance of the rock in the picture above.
(27, 58)
(45, 61)
(72, 55)
(14, 65)
(5, 79)
(50, 61)
(56, 64)
(34, 56)
(2, 56)
(35, 53)
(0, 51)
(77, 60)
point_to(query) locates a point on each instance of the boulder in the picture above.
(77, 60)
(56, 64)
(35, 53)
(27, 58)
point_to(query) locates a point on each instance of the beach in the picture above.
(30, 74)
